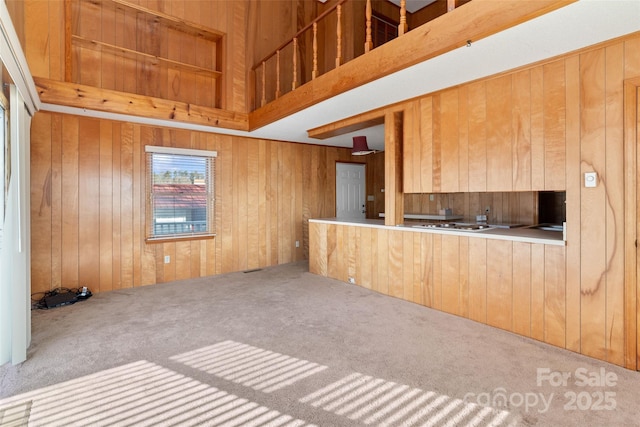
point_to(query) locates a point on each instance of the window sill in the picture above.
(165, 239)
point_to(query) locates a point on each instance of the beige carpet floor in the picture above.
(283, 347)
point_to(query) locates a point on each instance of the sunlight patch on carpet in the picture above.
(374, 401)
(137, 394)
(249, 366)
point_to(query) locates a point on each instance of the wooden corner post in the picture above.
(394, 198)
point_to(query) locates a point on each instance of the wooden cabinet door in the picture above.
(499, 135)
(410, 148)
(448, 142)
(417, 147)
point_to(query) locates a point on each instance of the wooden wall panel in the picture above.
(499, 135)
(554, 296)
(36, 15)
(88, 199)
(521, 122)
(408, 260)
(500, 284)
(573, 185)
(593, 205)
(106, 202)
(437, 272)
(449, 144)
(477, 137)
(418, 292)
(41, 195)
(396, 287)
(126, 209)
(411, 149)
(614, 180)
(382, 261)
(436, 145)
(450, 260)
(70, 212)
(522, 288)
(463, 138)
(478, 280)
(554, 98)
(365, 263)
(92, 229)
(537, 291)
(426, 250)
(426, 145)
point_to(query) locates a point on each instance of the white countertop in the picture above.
(519, 234)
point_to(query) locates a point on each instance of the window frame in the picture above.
(210, 183)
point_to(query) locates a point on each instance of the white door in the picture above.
(350, 190)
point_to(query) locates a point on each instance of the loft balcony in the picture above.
(341, 49)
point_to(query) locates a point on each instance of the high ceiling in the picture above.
(578, 25)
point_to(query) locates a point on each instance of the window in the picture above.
(181, 196)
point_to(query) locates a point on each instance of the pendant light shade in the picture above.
(360, 147)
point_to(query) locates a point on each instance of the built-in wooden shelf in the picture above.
(146, 38)
(164, 19)
(134, 54)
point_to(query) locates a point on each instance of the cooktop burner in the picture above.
(454, 226)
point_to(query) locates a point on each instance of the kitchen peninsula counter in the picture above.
(516, 234)
(510, 278)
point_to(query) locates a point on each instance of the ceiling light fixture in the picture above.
(360, 147)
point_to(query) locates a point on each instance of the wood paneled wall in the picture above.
(88, 203)
(555, 121)
(519, 287)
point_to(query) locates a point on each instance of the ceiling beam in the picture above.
(111, 101)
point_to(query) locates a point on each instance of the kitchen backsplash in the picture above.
(509, 207)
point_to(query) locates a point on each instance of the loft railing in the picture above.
(319, 47)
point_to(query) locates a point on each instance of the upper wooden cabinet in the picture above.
(502, 134)
(117, 45)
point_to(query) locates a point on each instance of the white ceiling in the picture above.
(572, 27)
(414, 5)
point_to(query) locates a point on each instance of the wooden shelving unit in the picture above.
(134, 54)
(199, 39)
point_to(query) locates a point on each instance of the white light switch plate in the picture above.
(590, 179)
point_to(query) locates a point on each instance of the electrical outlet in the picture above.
(431, 198)
(297, 243)
(167, 259)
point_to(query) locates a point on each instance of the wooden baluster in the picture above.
(402, 27)
(68, 54)
(277, 74)
(451, 4)
(264, 84)
(295, 63)
(339, 36)
(314, 72)
(368, 42)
